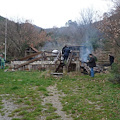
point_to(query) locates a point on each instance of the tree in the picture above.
(89, 34)
(75, 33)
(71, 23)
(22, 34)
(87, 16)
(110, 26)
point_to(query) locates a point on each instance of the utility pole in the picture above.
(5, 37)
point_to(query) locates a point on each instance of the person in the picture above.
(2, 62)
(91, 64)
(65, 52)
(63, 49)
(111, 59)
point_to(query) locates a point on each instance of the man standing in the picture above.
(65, 52)
(91, 64)
(111, 59)
(2, 62)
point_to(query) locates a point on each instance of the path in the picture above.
(54, 98)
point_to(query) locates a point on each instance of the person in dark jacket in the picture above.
(64, 49)
(111, 59)
(65, 52)
(91, 64)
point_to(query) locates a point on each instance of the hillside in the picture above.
(20, 35)
(52, 38)
(2, 18)
(73, 34)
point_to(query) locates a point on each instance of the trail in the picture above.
(54, 98)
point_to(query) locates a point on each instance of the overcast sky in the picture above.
(49, 13)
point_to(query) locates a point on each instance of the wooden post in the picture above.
(29, 67)
(77, 63)
(77, 66)
(64, 70)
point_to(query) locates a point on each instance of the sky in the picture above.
(50, 13)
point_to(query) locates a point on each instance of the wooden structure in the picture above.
(37, 61)
(44, 60)
(30, 50)
(47, 60)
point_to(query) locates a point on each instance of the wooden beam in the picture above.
(26, 63)
(29, 56)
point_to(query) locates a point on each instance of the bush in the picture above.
(115, 70)
(115, 79)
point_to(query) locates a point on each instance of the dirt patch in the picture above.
(54, 99)
(8, 107)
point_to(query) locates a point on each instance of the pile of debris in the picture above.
(98, 69)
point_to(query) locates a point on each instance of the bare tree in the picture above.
(110, 26)
(20, 35)
(87, 30)
(87, 16)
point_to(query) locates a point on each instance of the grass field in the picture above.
(85, 98)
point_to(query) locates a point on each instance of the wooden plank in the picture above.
(69, 59)
(29, 56)
(26, 63)
(57, 68)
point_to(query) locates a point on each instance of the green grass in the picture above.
(52, 116)
(90, 99)
(85, 98)
(25, 89)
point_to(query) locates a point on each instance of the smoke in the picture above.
(84, 53)
(52, 46)
(87, 47)
(80, 35)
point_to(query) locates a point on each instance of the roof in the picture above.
(32, 48)
(35, 49)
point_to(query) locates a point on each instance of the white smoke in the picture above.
(87, 49)
(84, 53)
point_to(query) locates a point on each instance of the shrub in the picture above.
(115, 70)
(115, 79)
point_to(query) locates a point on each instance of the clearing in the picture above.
(39, 96)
